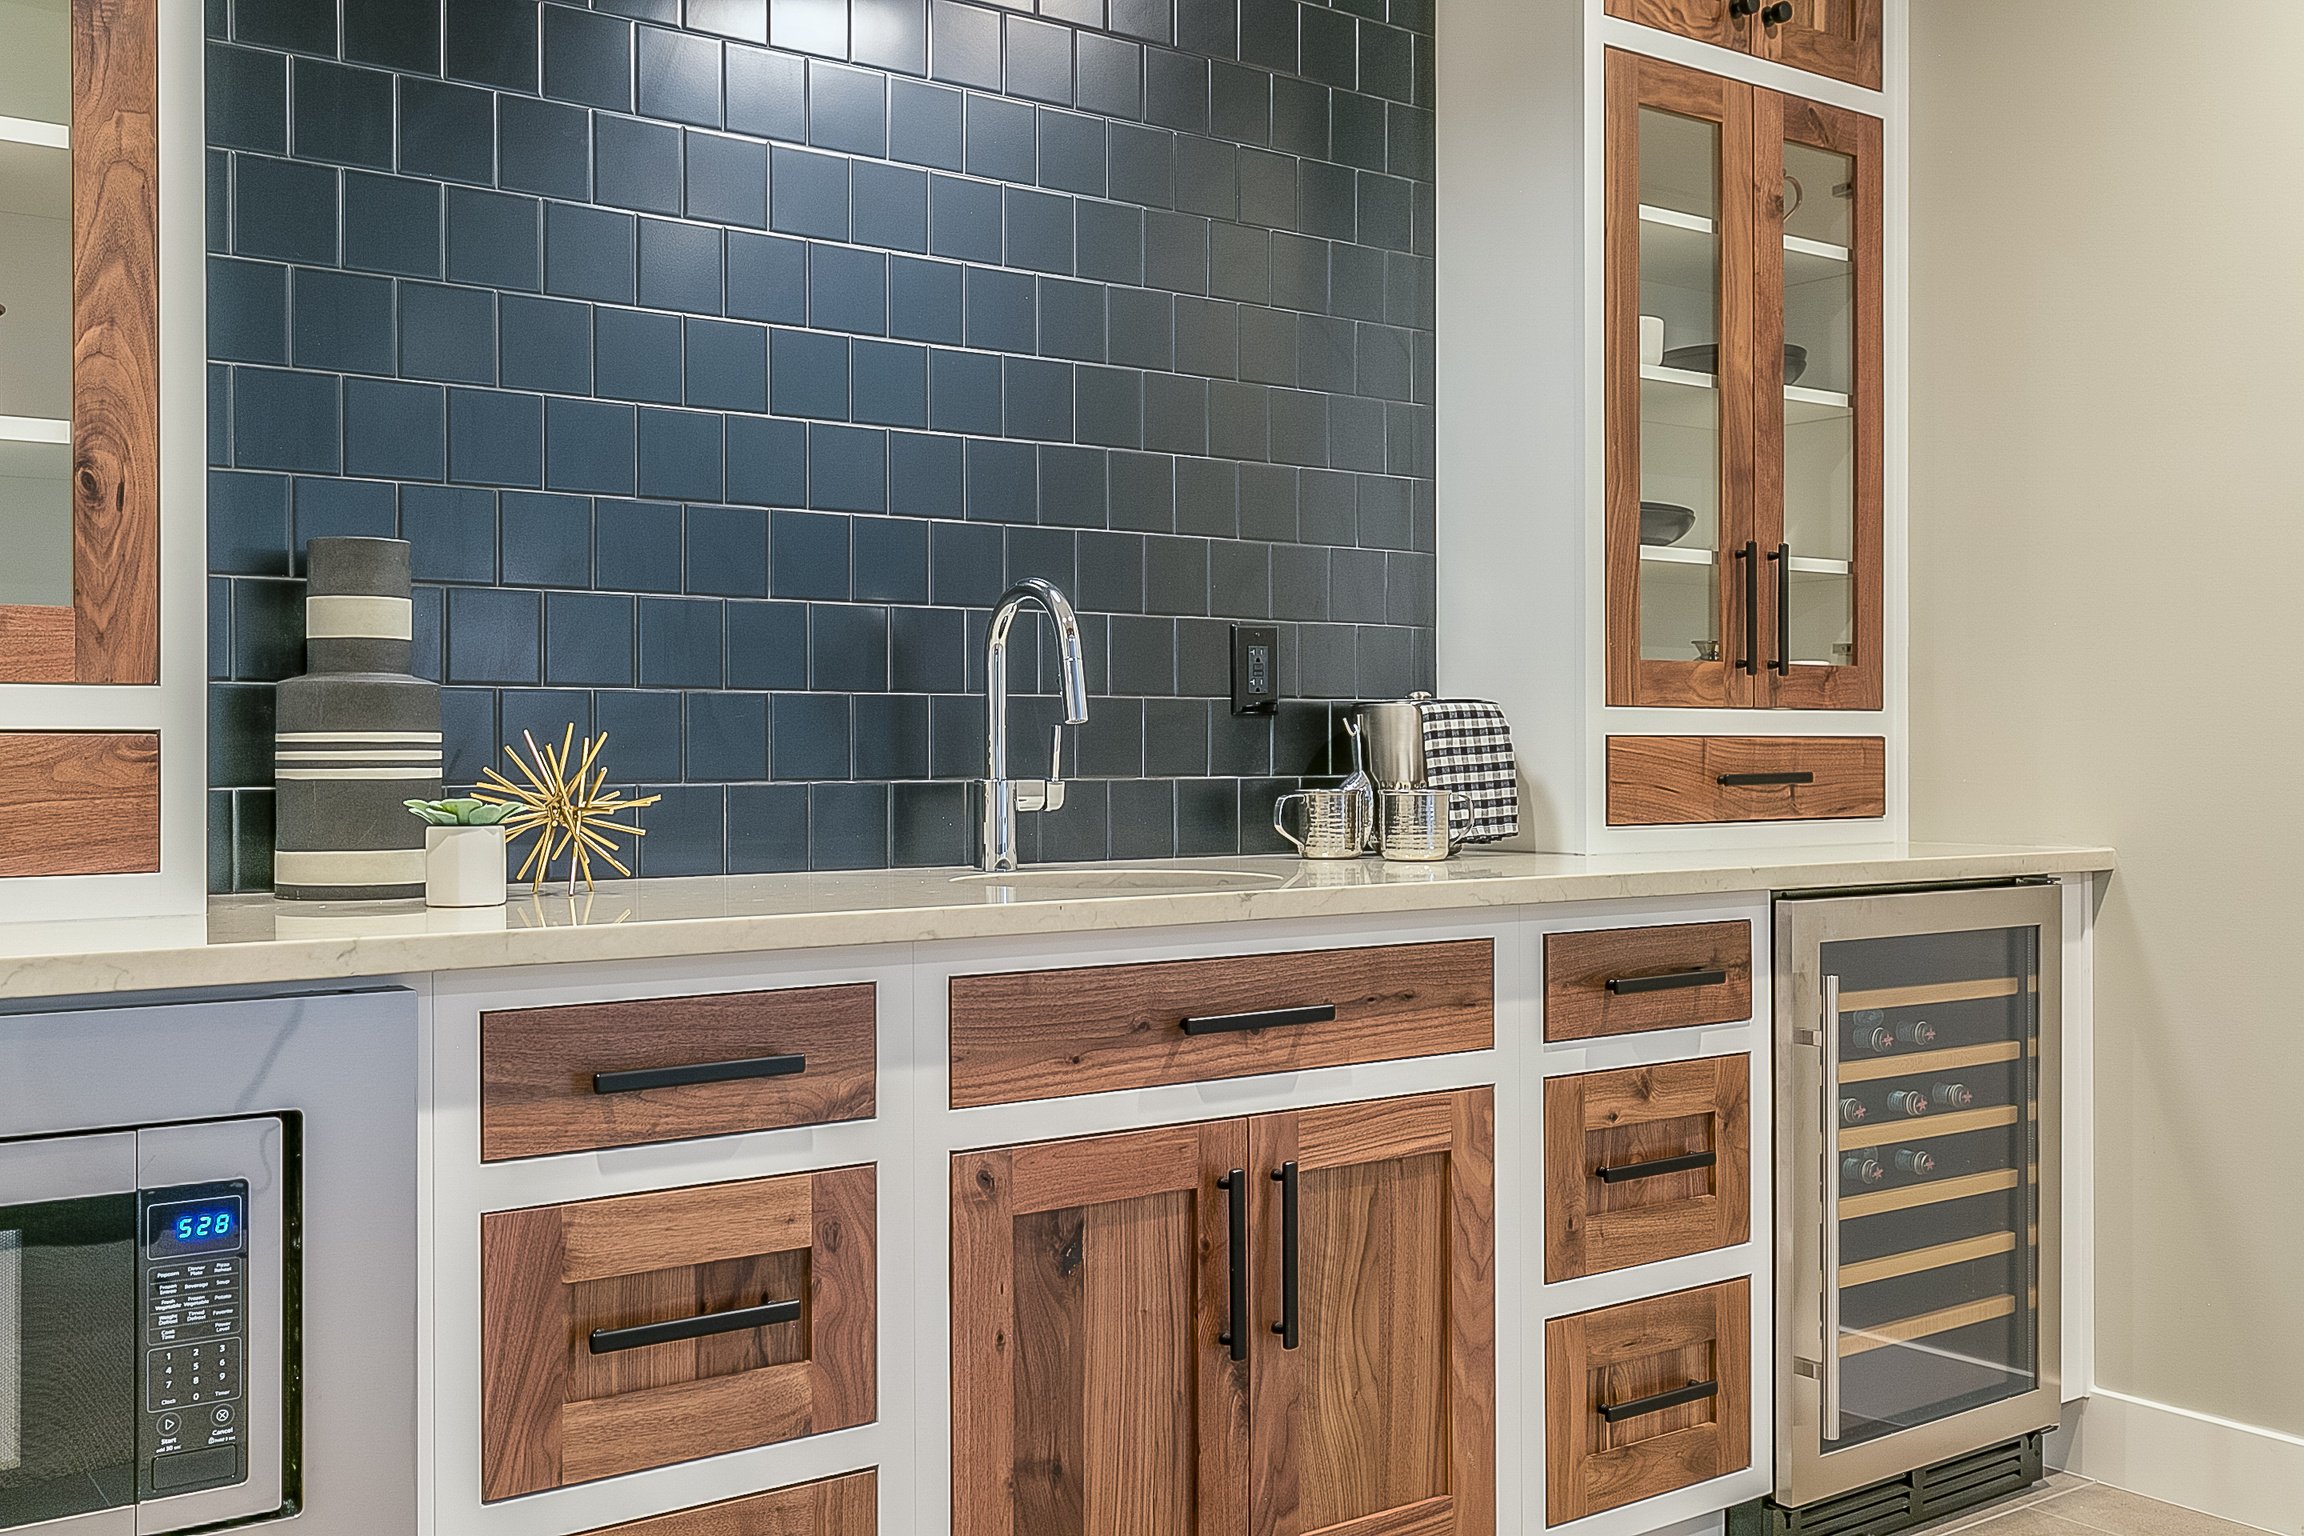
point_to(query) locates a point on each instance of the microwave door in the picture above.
(68, 1336)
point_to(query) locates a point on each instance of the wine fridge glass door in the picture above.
(1922, 1151)
(68, 1335)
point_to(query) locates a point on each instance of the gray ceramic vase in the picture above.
(357, 734)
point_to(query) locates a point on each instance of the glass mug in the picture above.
(1419, 825)
(1335, 823)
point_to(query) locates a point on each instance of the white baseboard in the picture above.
(2196, 1460)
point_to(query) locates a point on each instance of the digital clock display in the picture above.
(194, 1227)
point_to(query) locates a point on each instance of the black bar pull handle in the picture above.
(1694, 1392)
(609, 1341)
(1750, 556)
(1269, 1018)
(1782, 665)
(1655, 1168)
(1235, 1334)
(640, 1080)
(1291, 1324)
(1763, 780)
(1669, 981)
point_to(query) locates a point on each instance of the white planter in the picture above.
(464, 866)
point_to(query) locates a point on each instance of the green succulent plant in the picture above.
(459, 813)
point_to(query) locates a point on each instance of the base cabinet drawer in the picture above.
(645, 1330)
(1048, 1034)
(1647, 1397)
(1679, 781)
(1621, 981)
(587, 1076)
(842, 1506)
(1645, 1164)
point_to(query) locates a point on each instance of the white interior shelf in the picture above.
(1811, 565)
(34, 429)
(1680, 250)
(1679, 398)
(40, 135)
(1674, 554)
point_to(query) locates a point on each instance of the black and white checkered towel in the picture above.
(1468, 749)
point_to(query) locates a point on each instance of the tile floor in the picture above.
(2066, 1505)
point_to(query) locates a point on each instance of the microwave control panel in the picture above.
(193, 1273)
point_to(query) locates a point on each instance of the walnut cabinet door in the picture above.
(1282, 1325)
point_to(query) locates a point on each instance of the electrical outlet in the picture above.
(1255, 669)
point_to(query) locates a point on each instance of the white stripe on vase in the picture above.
(360, 736)
(404, 775)
(381, 866)
(359, 618)
(411, 755)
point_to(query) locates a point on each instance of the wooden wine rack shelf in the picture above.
(1938, 992)
(1941, 1256)
(1858, 1137)
(1920, 1063)
(1910, 1196)
(1905, 1330)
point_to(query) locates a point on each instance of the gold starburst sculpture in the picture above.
(566, 802)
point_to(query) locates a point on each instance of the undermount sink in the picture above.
(1128, 881)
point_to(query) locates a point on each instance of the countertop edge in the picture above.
(352, 955)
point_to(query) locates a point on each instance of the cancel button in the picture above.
(196, 1469)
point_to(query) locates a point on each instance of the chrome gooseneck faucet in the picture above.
(1003, 796)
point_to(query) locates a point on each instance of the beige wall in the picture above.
(2108, 547)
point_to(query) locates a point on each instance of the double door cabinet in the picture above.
(1745, 463)
(1840, 38)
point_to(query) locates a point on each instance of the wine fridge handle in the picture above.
(1828, 1368)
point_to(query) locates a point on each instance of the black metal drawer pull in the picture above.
(1235, 1334)
(609, 1341)
(1669, 981)
(1763, 780)
(1291, 1324)
(1694, 1392)
(1657, 1168)
(642, 1079)
(1270, 1018)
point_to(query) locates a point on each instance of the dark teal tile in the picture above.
(890, 206)
(448, 334)
(637, 355)
(636, 546)
(767, 828)
(680, 266)
(890, 384)
(767, 278)
(810, 736)
(679, 77)
(636, 164)
(892, 737)
(847, 109)
(812, 26)
(1039, 61)
(284, 211)
(547, 345)
(396, 431)
(266, 630)
(847, 290)
(727, 365)
(924, 476)
(726, 735)
(890, 34)
(493, 42)
(680, 642)
(924, 300)
(589, 639)
(544, 146)
(891, 559)
(493, 239)
(495, 439)
(963, 219)
(964, 565)
(495, 635)
(284, 420)
(247, 312)
(767, 94)
(1037, 396)
(966, 44)
(451, 533)
(768, 645)
(767, 462)
(1000, 139)
(680, 455)
(847, 823)
(727, 180)
(588, 253)
(643, 732)
(342, 114)
(924, 124)
(847, 472)
(848, 650)
(727, 551)
(547, 540)
(588, 58)
(240, 728)
(964, 392)
(298, 25)
(927, 650)
(247, 524)
(809, 555)
(1110, 75)
(808, 374)
(1176, 89)
(1001, 310)
(808, 194)
(447, 131)
(391, 225)
(1003, 483)
(929, 825)
(393, 35)
(1039, 230)
(589, 446)
(247, 100)
(687, 833)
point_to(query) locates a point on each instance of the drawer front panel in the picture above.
(1048, 1034)
(1672, 781)
(1645, 1164)
(1647, 1397)
(645, 1330)
(594, 1075)
(1620, 981)
(842, 1506)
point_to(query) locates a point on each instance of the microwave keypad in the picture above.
(195, 1322)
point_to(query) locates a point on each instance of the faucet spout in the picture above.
(1005, 797)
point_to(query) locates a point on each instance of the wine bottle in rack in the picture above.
(1909, 1103)
(1854, 1112)
(1916, 1033)
(1952, 1096)
(1916, 1161)
(1870, 1033)
(1860, 1169)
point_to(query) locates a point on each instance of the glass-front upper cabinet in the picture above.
(1744, 363)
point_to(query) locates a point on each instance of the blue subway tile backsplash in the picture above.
(724, 361)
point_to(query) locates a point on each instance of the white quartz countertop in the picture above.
(255, 940)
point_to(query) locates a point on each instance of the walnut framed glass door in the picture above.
(1919, 1266)
(1819, 398)
(1681, 293)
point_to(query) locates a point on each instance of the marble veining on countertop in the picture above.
(256, 940)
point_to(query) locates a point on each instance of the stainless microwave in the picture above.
(142, 1327)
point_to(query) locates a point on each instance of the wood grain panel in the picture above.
(1090, 1394)
(1658, 781)
(1624, 1353)
(537, 1065)
(116, 340)
(1048, 1034)
(554, 1414)
(1839, 38)
(842, 1506)
(1777, 120)
(79, 804)
(1633, 84)
(38, 645)
(1382, 1420)
(1707, 21)
(1578, 968)
(1672, 1109)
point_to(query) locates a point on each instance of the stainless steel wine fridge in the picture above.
(1917, 1181)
